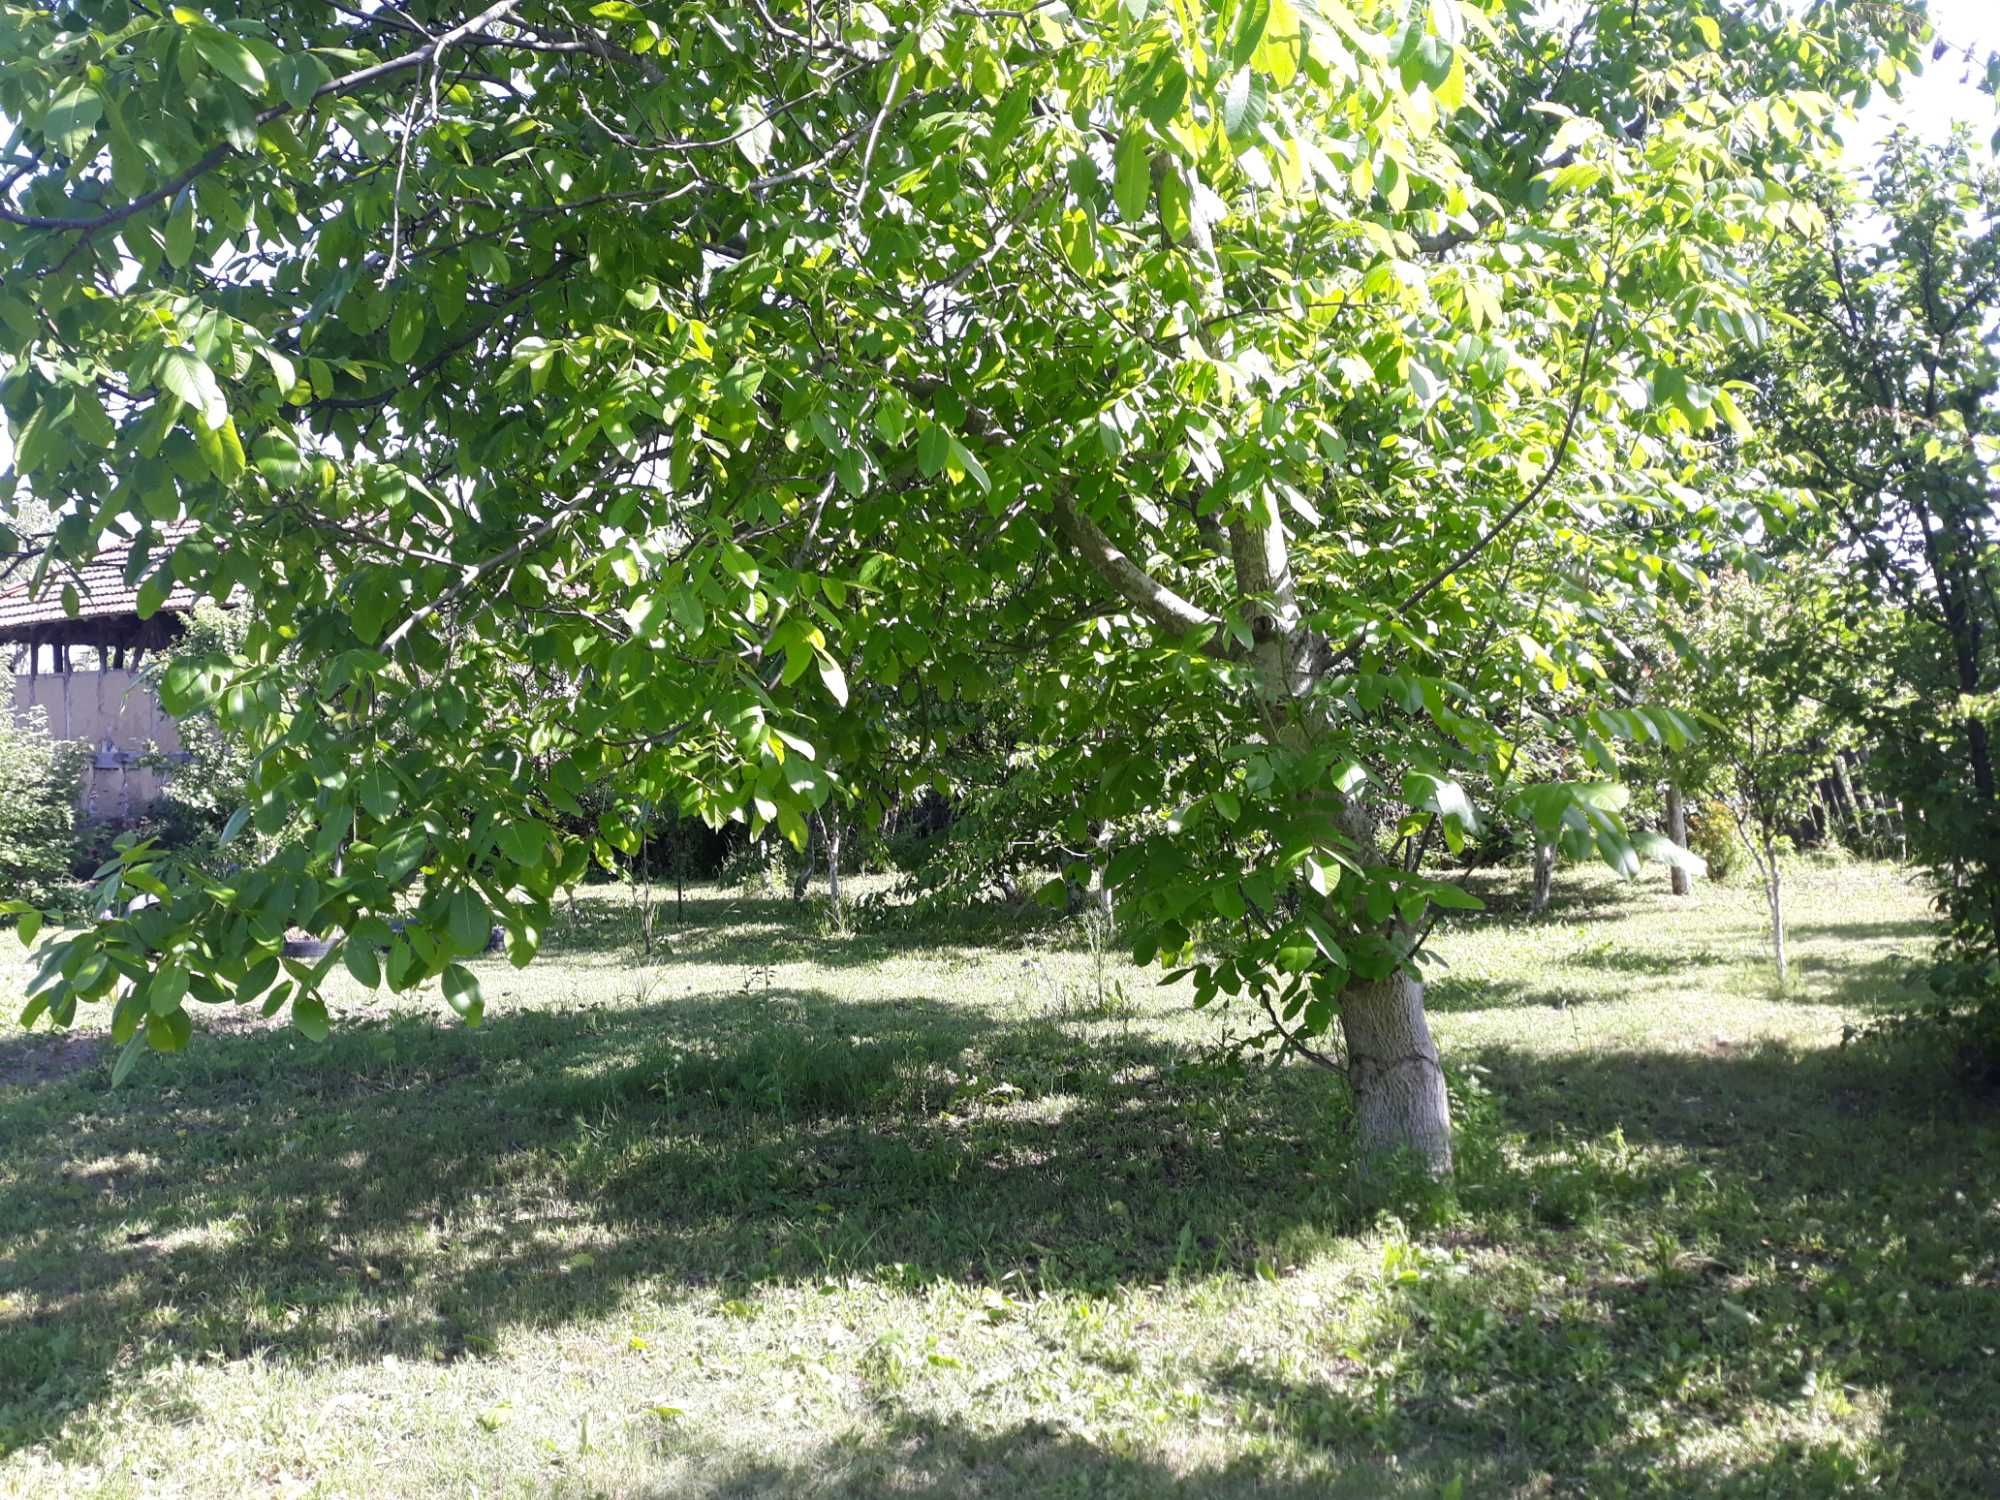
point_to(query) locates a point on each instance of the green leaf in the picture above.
(401, 854)
(277, 459)
(1252, 16)
(834, 679)
(27, 918)
(72, 118)
(309, 1015)
(127, 1056)
(169, 1032)
(962, 464)
(231, 58)
(406, 328)
(522, 842)
(186, 375)
(1132, 185)
(461, 993)
(1176, 204)
(363, 962)
(933, 450)
(448, 291)
(179, 233)
(167, 990)
(152, 593)
(1451, 93)
(300, 76)
(756, 132)
(468, 922)
(1244, 104)
(379, 791)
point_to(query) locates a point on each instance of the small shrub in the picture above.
(1712, 835)
(39, 780)
(759, 869)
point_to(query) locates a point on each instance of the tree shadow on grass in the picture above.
(1850, 932)
(727, 928)
(1648, 1244)
(924, 1457)
(1806, 1237)
(416, 1189)
(1507, 896)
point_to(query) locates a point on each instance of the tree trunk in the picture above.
(802, 880)
(1399, 1094)
(832, 832)
(1545, 876)
(1774, 892)
(1100, 892)
(1677, 830)
(1845, 777)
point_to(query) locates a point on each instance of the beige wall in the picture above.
(116, 717)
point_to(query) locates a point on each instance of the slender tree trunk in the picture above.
(1100, 893)
(1545, 876)
(1774, 892)
(1677, 830)
(1966, 632)
(1846, 779)
(802, 881)
(832, 832)
(1399, 1094)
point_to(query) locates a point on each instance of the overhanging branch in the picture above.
(1146, 593)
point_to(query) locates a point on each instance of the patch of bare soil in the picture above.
(44, 1057)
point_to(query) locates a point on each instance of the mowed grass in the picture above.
(946, 1213)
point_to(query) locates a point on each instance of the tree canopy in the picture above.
(1267, 399)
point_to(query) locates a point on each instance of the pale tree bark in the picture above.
(1401, 1109)
(1677, 830)
(832, 831)
(1846, 781)
(1100, 891)
(1764, 854)
(1545, 876)
(1774, 890)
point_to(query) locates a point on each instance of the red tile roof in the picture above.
(101, 590)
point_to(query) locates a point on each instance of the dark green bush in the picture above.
(39, 780)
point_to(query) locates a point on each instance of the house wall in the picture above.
(118, 718)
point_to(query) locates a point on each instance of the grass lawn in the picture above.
(938, 1214)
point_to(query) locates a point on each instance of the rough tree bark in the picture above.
(1400, 1104)
(1677, 830)
(1545, 876)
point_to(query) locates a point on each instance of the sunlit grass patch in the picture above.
(777, 1212)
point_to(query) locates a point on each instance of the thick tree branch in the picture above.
(1152, 598)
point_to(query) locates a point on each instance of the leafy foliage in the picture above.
(39, 780)
(1265, 397)
(1877, 395)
